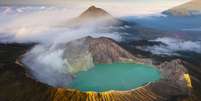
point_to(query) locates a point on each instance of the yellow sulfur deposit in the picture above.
(188, 80)
(143, 94)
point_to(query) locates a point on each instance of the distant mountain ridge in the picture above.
(188, 9)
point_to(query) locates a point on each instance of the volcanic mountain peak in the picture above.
(94, 12)
(94, 15)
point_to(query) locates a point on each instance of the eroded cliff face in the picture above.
(77, 56)
(174, 81)
(106, 50)
(82, 54)
(17, 86)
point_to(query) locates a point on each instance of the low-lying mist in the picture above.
(173, 45)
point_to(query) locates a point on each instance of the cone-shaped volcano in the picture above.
(94, 12)
(94, 15)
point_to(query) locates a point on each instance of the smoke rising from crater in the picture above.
(46, 65)
(45, 61)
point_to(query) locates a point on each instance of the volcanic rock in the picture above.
(173, 73)
(82, 53)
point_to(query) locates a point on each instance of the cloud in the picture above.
(174, 45)
(192, 29)
(43, 26)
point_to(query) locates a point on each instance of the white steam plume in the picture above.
(45, 61)
(47, 66)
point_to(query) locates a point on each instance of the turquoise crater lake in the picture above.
(116, 76)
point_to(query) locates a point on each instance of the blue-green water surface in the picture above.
(116, 76)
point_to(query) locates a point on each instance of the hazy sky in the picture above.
(112, 6)
(61, 2)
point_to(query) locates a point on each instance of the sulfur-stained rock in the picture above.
(77, 56)
(83, 53)
(101, 50)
